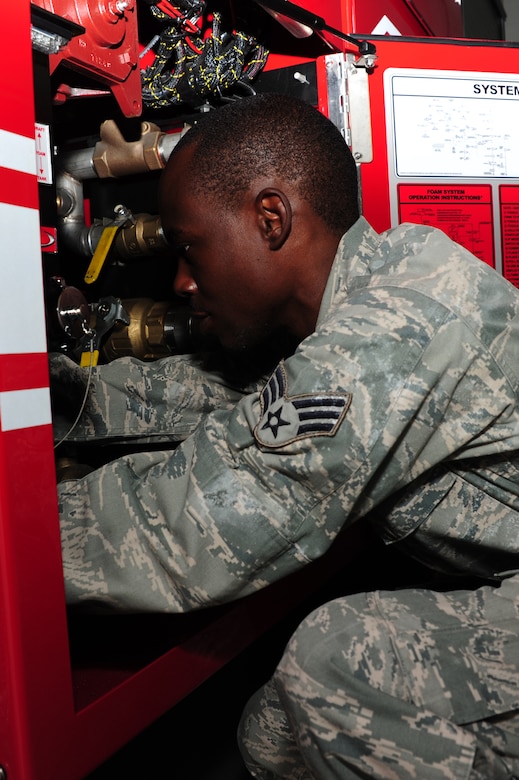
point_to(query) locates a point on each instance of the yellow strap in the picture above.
(100, 254)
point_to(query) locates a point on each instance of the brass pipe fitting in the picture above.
(144, 336)
(115, 156)
(156, 329)
(143, 237)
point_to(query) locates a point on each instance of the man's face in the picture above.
(225, 265)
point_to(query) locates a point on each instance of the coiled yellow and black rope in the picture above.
(192, 66)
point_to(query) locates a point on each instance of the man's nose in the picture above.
(184, 284)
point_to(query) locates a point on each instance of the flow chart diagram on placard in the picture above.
(463, 212)
(455, 125)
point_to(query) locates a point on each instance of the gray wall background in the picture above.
(512, 19)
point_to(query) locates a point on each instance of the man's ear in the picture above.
(275, 216)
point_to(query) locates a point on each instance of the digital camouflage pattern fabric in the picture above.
(418, 344)
(406, 685)
(401, 411)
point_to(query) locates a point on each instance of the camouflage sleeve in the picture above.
(162, 400)
(368, 403)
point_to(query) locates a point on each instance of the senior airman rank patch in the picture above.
(285, 418)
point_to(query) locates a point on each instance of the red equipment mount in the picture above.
(108, 50)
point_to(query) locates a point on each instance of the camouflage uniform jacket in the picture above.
(403, 405)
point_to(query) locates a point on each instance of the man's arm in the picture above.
(357, 414)
(162, 400)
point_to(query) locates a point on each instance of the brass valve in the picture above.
(156, 329)
(142, 237)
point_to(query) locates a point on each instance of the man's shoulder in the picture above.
(426, 255)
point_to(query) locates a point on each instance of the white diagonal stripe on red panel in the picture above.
(24, 409)
(17, 152)
(24, 393)
(23, 315)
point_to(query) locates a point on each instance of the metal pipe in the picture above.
(73, 231)
(111, 157)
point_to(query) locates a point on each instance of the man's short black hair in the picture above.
(281, 135)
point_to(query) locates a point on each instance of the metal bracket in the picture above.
(348, 103)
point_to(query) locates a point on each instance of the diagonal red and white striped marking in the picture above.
(24, 396)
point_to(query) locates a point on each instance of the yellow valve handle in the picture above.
(100, 254)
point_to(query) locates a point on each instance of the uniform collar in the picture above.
(355, 250)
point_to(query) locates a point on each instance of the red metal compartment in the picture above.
(58, 719)
(442, 18)
(476, 205)
(107, 50)
(408, 18)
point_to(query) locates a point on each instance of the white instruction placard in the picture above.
(455, 124)
(43, 154)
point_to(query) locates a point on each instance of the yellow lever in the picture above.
(101, 252)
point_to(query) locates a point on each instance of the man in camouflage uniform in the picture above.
(399, 407)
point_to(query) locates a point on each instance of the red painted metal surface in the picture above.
(33, 632)
(411, 18)
(430, 55)
(61, 712)
(442, 18)
(108, 50)
(64, 709)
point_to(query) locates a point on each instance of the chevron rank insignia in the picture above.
(285, 418)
